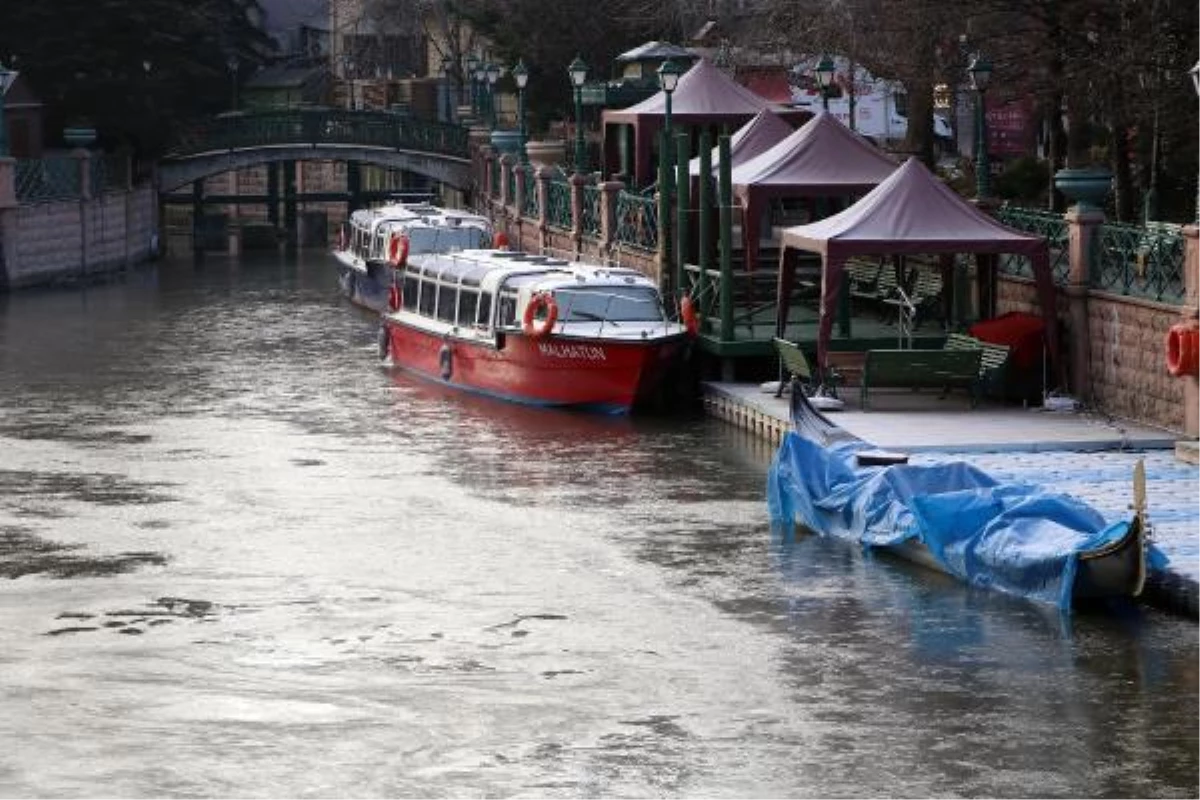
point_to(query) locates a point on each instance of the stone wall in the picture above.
(49, 242)
(1125, 350)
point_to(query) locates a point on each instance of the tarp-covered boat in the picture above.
(1017, 538)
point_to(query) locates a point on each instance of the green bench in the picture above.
(993, 361)
(794, 363)
(921, 369)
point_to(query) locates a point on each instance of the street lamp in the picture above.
(668, 79)
(824, 72)
(980, 71)
(521, 76)
(7, 76)
(1195, 73)
(493, 74)
(472, 65)
(578, 72)
(232, 63)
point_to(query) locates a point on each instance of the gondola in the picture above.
(950, 516)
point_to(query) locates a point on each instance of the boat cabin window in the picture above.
(428, 298)
(441, 239)
(468, 302)
(485, 309)
(611, 303)
(412, 285)
(506, 316)
(445, 303)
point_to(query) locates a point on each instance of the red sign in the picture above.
(1010, 127)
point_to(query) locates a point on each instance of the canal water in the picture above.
(238, 557)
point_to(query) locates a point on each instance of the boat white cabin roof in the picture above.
(424, 213)
(525, 272)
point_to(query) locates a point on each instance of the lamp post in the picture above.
(480, 79)
(1194, 72)
(493, 74)
(7, 76)
(824, 72)
(521, 76)
(232, 63)
(472, 65)
(447, 66)
(980, 71)
(578, 73)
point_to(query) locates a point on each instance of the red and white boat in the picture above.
(534, 329)
(375, 240)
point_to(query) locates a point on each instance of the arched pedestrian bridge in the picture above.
(233, 141)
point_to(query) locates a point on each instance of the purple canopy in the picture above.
(910, 212)
(704, 95)
(766, 129)
(823, 158)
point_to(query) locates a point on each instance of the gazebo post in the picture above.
(704, 204)
(683, 208)
(725, 199)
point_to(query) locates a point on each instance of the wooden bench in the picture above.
(993, 361)
(921, 369)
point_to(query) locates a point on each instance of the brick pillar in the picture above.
(609, 192)
(1082, 229)
(577, 182)
(8, 220)
(542, 187)
(1191, 315)
(522, 186)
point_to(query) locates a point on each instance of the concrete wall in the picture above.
(49, 242)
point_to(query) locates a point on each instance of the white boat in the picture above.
(373, 242)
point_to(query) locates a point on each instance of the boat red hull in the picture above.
(598, 374)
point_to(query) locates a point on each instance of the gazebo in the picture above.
(766, 129)
(704, 96)
(823, 159)
(912, 212)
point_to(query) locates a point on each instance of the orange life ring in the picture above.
(398, 250)
(539, 328)
(687, 313)
(1183, 350)
(500, 241)
(394, 297)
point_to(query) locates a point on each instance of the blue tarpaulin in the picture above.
(1017, 538)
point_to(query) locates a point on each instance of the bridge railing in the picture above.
(320, 126)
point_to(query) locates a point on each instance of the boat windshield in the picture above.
(444, 239)
(609, 303)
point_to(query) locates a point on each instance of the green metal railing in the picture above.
(1046, 224)
(637, 221)
(558, 204)
(591, 211)
(530, 206)
(44, 179)
(1139, 262)
(321, 126)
